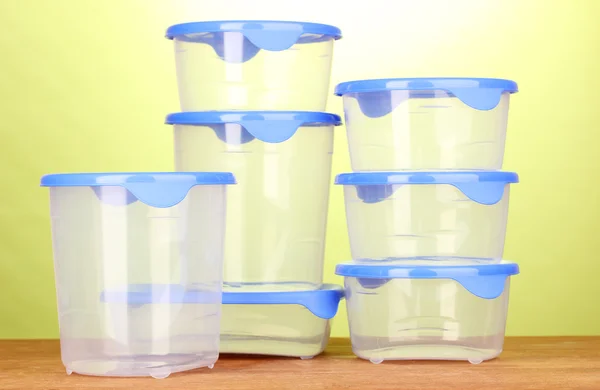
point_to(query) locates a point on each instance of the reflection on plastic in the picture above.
(380, 103)
(237, 47)
(114, 195)
(271, 131)
(487, 193)
(486, 287)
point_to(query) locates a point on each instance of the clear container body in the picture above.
(424, 224)
(225, 71)
(423, 130)
(109, 244)
(424, 319)
(281, 330)
(277, 213)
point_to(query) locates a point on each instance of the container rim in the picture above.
(124, 178)
(425, 177)
(274, 26)
(236, 116)
(399, 271)
(425, 83)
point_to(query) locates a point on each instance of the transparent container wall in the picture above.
(107, 242)
(277, 213)
(423, 130)
(225, 71)
(424, 224)
(434, 319)
(282, 330)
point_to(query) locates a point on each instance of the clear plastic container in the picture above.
(426, 124)
(427, 217)
(277, 214)
(130, 249)
(295, 324)
(253, 65)
(400, 312)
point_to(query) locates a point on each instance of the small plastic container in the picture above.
(130, 251)
(253, 65)
(400, 312)
(427, 217)
(295, 324)
(426, 123)
(277, 214)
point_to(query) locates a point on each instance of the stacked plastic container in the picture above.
(426, 210)
(138, 265)
(252, 95)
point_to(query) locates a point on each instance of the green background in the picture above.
(85, 85)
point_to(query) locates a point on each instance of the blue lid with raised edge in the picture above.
(258, 34)
(485, 187)
(483, 280)
(156, 189)
(323, 302)
(267, 126)
(375, 99)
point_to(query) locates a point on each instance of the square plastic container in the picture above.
(277, 214)
(295, 324)
(427, 313)
(130, 249)
(426, 123)
(253, 65)
(427, 217)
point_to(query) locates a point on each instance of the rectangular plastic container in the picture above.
(253, 65)
(130, 251)
(277, 214)
(427, 313)
(295, 324)
(426, 123)
(427, 217)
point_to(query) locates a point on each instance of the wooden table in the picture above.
(526, 363)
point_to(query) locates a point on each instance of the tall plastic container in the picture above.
(399, 312)
(138, 264)
(427, 217)
(276, 215)
(426, 123)
(253, 65)
(282, 323)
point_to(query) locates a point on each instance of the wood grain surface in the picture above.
(526, 363)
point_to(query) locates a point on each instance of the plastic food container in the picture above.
(427, 217)
(276, 215)
(398, 312)
(426, 123)
(130, 249)
(253, 65)
(293, 323)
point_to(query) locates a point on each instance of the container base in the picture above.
(156, 366)
(428, 352)
(301, 348)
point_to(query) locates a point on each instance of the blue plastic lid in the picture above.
(258, 34)
(485, 187)
(323, 302)
(478, 93)
(156, 189)
(483, 280)
(143, 294)
(267, 126)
